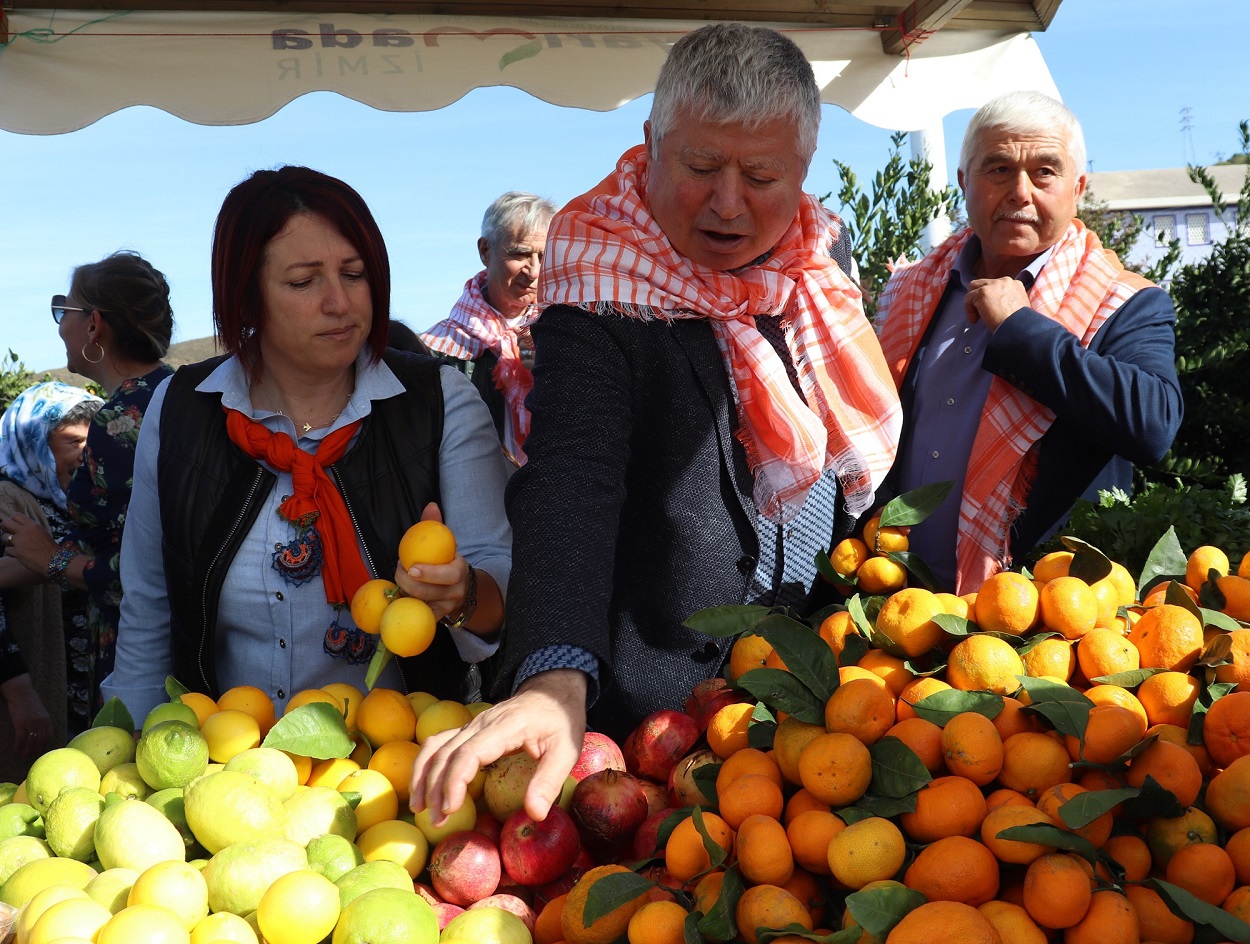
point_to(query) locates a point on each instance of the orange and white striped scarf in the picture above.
(475, 326)
(606, 253)
(1080, 287)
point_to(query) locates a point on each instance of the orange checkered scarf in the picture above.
(606, 253)
(1080, 287)
(475, 326)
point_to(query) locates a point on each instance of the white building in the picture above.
(1172, 205)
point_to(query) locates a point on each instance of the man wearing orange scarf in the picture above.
(710, 407)
(488, 330)
(1032, 366)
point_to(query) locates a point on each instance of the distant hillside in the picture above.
(184, 352)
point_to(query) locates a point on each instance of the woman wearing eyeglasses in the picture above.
(116, 324)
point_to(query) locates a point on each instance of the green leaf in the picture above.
(1210, 594)
(1153, 801)
(381, 657)
(914, 506)
(1198, 714)
(353, 797)
(782, 691)
(954, 625)
(315, 730)
(726, 621)
(114, 714)
(825, 568)
(1176, 596)
(1130, 679)
(704, 778)
(854, 648)
(855, 606)
(916, 566)
(761, 729)
(1219, 651)
(879, 909)
(1086, 807)
(1166, 560)
(886, 807)
(690, 929)
(806, 655)
(174, 688)
(896, 770)
(848, 935)
(941, 706)
(667, 825)
(1053, 837)
(714, 851)
(853, 814)
(1064, 707)
(1088, 563)
(1192, 908)
(612, 891)
(718, 924)
(1219, 620)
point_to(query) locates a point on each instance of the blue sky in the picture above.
(144, 180)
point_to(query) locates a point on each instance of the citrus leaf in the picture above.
(1034, 639)
(1064, 707)
(854, 648)
(704, 778)
(887, 806)
(1166, 560)
(954, 625)
(690, 929)
(174, 688)
(1198, 714)
(806, 655)
(1086, 807)
(114, 714)
(941, 706)
(761, 729)
(669, 823)
(848, 935)
(1210, 594)
(1153, 801)
(612, 891)
(1176, 596)
(824, 567)
(914, 506)
(781, 690)
(381, 656)
(718, 924)
(714, 851)
(1192, 908)
(726, 620)
(1054, 837)
(1130, 679)
(879, 909)
(852, 814)
(896, 770)
(855, 606)
(1219, 651)
(916, 566)
(315, 730)
(1088, 563)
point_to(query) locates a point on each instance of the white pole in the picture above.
(930, 144)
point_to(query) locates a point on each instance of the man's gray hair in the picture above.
(515, 211)
(1025, 113)
(731, 73)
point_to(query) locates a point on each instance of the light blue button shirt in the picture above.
(270, 632)
(951, 388)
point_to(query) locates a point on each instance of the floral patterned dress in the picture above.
(99, 495)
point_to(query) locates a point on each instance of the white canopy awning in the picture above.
(62, 70)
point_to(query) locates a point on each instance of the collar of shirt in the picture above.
(373, 382)
(971, 252)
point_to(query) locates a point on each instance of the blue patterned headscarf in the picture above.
(25, 456)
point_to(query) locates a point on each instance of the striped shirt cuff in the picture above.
(562, 656)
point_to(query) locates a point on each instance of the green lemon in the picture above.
(59, 770)
(172, 805)
(7, 791)
(333, 856)
(111, 888)
(487, 926)
(35, 876)
(107, 746)
(229, 807)
(381, 873)
(71, 820)
(126, 781)
(388, 916)
(238, 875)
(270, 766)
(171, 754)
(171, 711)
(132, 835)
(21, 819)
(315, 811)
(18, 850)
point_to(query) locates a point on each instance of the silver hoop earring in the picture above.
(92, 360)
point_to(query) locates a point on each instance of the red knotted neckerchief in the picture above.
(314, 497)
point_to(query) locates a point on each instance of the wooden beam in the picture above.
(917, 21)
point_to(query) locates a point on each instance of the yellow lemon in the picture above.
(230, 732)
(441, 716)
(300, 907)
(178, 886)
(378, 800)
(395, 841)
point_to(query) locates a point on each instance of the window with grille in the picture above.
(1197, 229)
(1164, 229)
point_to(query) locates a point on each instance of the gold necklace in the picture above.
(308, 427)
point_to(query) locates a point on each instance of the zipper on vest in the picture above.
(373, 567)
(221, 550)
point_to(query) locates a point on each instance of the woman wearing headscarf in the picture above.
(42, 434)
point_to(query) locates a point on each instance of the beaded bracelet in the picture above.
(58, 564)
(470, 602)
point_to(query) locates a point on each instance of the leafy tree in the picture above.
(1119, 232)
(14, 378)
(888, 224)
